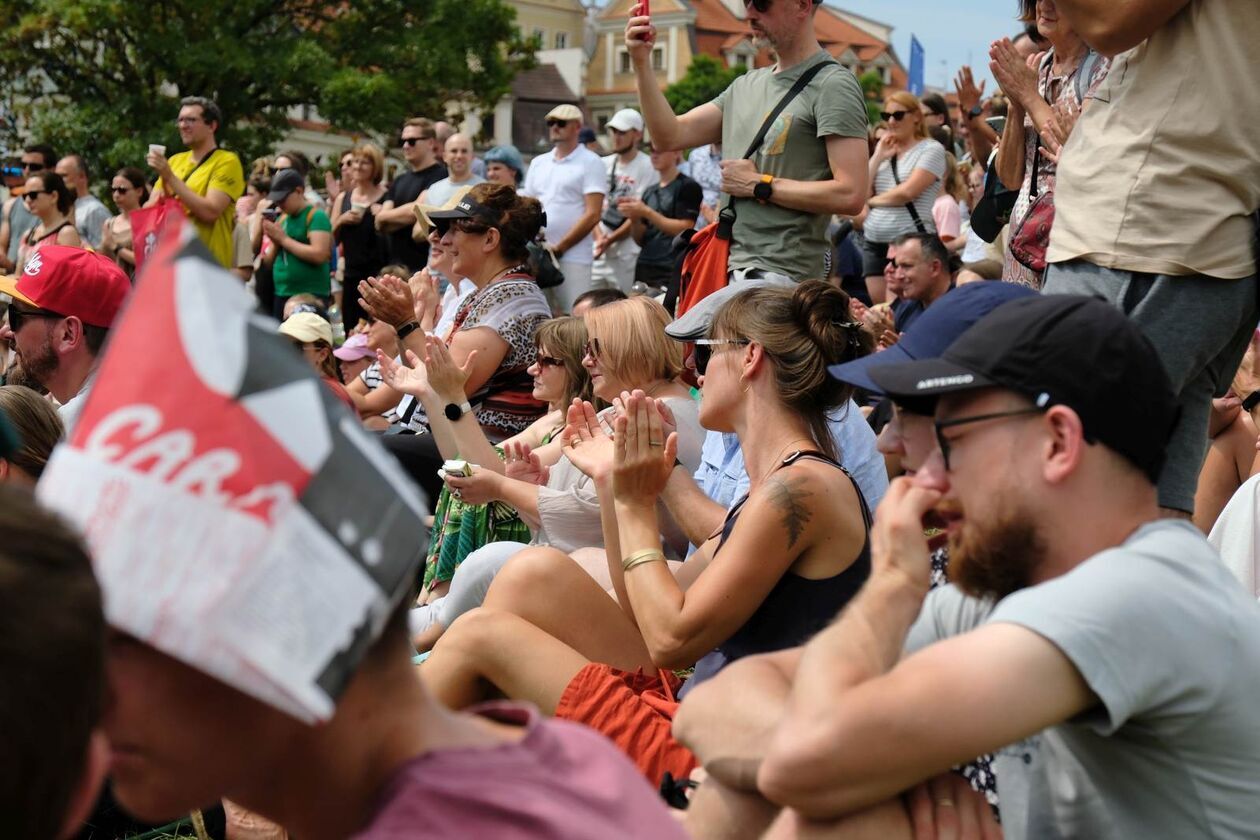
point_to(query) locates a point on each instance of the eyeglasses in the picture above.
(18, 317)
(941, 425)
(187, 120)
(592, 349)
(893, 116)
(761, 6)
(554, 123)
(547, 361)
(411, 141)
(30, 195)
(703, 352)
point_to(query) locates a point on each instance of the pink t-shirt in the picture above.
(948, 217)
(562, 780)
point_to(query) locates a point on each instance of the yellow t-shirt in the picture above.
(221, 171)
(1163, 169)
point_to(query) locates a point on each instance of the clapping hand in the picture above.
(643, 457)
(387, 299)
(428, 300)
(446, 378)
(1013, 72)
(969, 95)
(412, 380)
(585, 443)
(523, 464)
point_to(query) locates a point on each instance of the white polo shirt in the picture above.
(562, 184)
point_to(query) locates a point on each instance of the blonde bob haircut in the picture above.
(372, 152)
(915, 107)
(633, 346)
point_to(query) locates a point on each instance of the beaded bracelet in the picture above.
(647, 555)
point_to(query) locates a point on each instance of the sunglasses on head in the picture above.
(704, 350)
(893, 116)
(18, 317)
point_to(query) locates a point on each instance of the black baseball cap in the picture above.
(284, 183)
(1080, 352)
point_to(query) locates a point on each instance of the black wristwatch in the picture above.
(762, 190)
(454, 411)
(407, 329)
(975, 112)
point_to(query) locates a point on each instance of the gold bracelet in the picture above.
(647, 555)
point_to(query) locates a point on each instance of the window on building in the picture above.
(601, 121)
(741, 60)
(562, 40)
(658, 58)
(541, 35)
(623, 61)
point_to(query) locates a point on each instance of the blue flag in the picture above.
(916, 66)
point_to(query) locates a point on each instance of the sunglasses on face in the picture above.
(411, 141)
(893, 116)
(187, 120)
(591, 348)
(117, 190)
(18, 317)
(31, 166)
(704, 350)
(762, 6)
(547, 361)
(553, 123)
(31, 195)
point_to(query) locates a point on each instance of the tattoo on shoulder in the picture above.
(788, 494)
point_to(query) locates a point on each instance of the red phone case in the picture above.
(643, 8)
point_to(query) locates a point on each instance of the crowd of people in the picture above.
(934, 515)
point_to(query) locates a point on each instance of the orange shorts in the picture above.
(635, 711)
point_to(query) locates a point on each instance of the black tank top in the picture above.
(797, 607)
(362, 246)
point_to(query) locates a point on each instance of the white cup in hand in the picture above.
(157, 149)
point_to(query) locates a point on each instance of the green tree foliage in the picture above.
(873, 89)
(104, 77)
(705, 79)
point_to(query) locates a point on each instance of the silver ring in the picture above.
(457, 493)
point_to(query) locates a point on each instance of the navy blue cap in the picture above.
(934, 330)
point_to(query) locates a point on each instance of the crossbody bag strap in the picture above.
(914, 211)
(728, 212)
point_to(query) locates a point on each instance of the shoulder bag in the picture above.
(704, 268)
(914, 211)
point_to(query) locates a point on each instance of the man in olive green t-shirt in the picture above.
(301, 241)
(812, 162)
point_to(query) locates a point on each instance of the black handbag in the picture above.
(544, 266)
(993, 210)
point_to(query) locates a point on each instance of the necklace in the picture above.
(778, 459)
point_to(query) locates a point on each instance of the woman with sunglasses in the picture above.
(492, 333)
(49, 199)
(906, 169)
(627, 349)
(460, 527)
(788, 557)
(130, 192)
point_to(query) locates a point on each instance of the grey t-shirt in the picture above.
(768, 236)
(1170, 643)
(89, 219)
